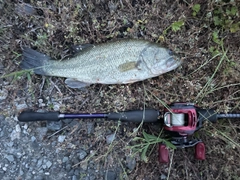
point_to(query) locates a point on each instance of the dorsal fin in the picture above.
(78, 49)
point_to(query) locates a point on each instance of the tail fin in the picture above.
(34, 60)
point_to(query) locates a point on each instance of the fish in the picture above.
(117, 62)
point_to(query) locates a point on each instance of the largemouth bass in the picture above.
(119, 62)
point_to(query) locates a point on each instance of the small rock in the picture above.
(18, 128)
(90, 127)
(21, 172)
(48, 164)
(54, 125)
(3, 94)
(18, 155)
(10, 144)
(163, 177)
(84, 165)
(76, 172)
(10, 158)
(1, 133)
(16, 133)
(39, 178)
(110, 175)
(74, 177)
(21, 106)
(39, 163)
(25, 126)
(65, 159)
(61, 138)
(56, 107)
(82, 154)
(41, 132)
(33, 138)
(67, 121)
(41, 104)
(35, 145)
(110, 138)
(130, 163)
(68, 167)
(2, 117)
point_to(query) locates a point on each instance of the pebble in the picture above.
(163, 177)
(16, 133)
(33, 138)
(25, 126)
(3, 94)
(90, 127)
(54, 125)
(84, 165)
(74, 177)
(56, 107)
(2, 117)
(110, 175)
(18, 128)
(41, 132)
(61, 138)
(21, 106)
(41, 104)
(39, 163)
(110, 138)
(82, 154)
(130, 162)
(65, 159)
(10, 158)
(49, 164)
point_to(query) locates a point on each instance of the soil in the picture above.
(83, 149)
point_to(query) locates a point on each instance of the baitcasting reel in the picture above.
(181, 120)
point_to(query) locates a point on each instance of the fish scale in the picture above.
(118, 62)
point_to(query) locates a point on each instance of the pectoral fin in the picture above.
(129, 66)
(74, 83)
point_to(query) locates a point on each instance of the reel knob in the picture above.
(163, 154)
(200, 151)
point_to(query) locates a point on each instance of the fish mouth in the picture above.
(169, 65)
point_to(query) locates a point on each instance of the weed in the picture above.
(224, 17)
(146, 142)
(208, 86)
(196, 8)
(224, 136)
(175, 26)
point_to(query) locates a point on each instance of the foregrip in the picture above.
(148, 115)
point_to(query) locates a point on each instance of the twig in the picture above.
(57, 132)
(170, 166)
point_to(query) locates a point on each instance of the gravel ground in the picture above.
(48, 151)
(30, 151)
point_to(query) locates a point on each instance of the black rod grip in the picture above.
(207, 114)
(28, 116)
(148, 115)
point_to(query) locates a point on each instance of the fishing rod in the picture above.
(180, 121)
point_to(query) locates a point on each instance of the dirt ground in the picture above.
(205, 34)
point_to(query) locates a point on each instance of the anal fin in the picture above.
(74, 83)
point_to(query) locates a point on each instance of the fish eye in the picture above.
(170, 52)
